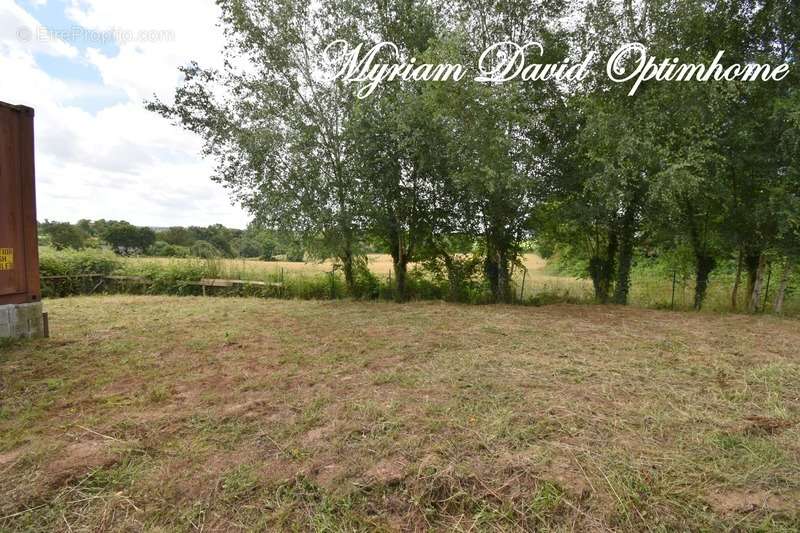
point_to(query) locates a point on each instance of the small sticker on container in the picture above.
(6, 259)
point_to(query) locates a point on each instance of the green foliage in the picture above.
(125, 238)
(177, 236)
(164, 249)
(64, 235)
(459, 273)
(204, 250)
(73, 263)
(463, 176)
(71, 267)
(258, 243)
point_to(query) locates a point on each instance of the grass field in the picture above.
(380, 264)
(649, 288)
(205, 414)
(537, 279)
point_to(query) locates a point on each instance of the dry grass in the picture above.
(228, 414)
(537, 279)
(379, 263)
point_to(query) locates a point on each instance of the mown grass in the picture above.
(224, 414)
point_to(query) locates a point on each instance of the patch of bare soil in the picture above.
(9, 458)
(766, 425)
(748, 501)
(387, 471)
(80, 458)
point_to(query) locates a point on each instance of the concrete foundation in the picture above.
(22, 320)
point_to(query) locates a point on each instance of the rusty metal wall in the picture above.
(19, 251)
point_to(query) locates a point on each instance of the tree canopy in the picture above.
(461, 172)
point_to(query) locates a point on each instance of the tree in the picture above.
(396, 145)
(275, 121)
(178, 236)
(204, 250)
(126, 238)
(258, 242)
(501, 142)
(65, 235)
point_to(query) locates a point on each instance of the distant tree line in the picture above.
(459, 175)
(216, 241)
(122, 237)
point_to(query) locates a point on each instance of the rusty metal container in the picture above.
(19, 249)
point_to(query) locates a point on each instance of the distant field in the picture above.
(378, 263)
(648, 289)
(537, 279)
(227, 414)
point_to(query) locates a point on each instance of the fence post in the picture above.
(522, 289)
(766, 291)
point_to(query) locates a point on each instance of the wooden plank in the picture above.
(127, 278)
(231, 282)
(216, 282)
(74, 276)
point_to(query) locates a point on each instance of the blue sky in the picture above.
(87, 66)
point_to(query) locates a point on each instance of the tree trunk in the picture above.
(503, 277)
(400, 265)
(627, 234)
(602, 269)
(752, 260)
(705, 265)
(490, 269)
(704, 262)
(777, 306)
(455, 278)
(347, 268)
(496, 267)
(737, 281)
(400, 271)
(755, 297)
(596, 271)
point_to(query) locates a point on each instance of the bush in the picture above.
(72, 263)
(296, 254)
(72, 266)
(164, 249)
(176, 277)
(204, 250)
(64, 235)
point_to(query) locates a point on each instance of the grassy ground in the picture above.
(183, 414)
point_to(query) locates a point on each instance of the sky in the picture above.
(86, 67)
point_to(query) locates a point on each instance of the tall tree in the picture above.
(275, 120)
(501, 143)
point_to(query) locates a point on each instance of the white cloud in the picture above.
(184, 30)
(22, 32)
(117, 160)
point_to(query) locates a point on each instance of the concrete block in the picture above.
(22, 320)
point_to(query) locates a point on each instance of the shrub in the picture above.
(164, 249)
(176, 277)
(204, 250)
(72, 263)
(72, 266)
(64, 235)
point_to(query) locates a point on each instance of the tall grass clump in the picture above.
(173, 277)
